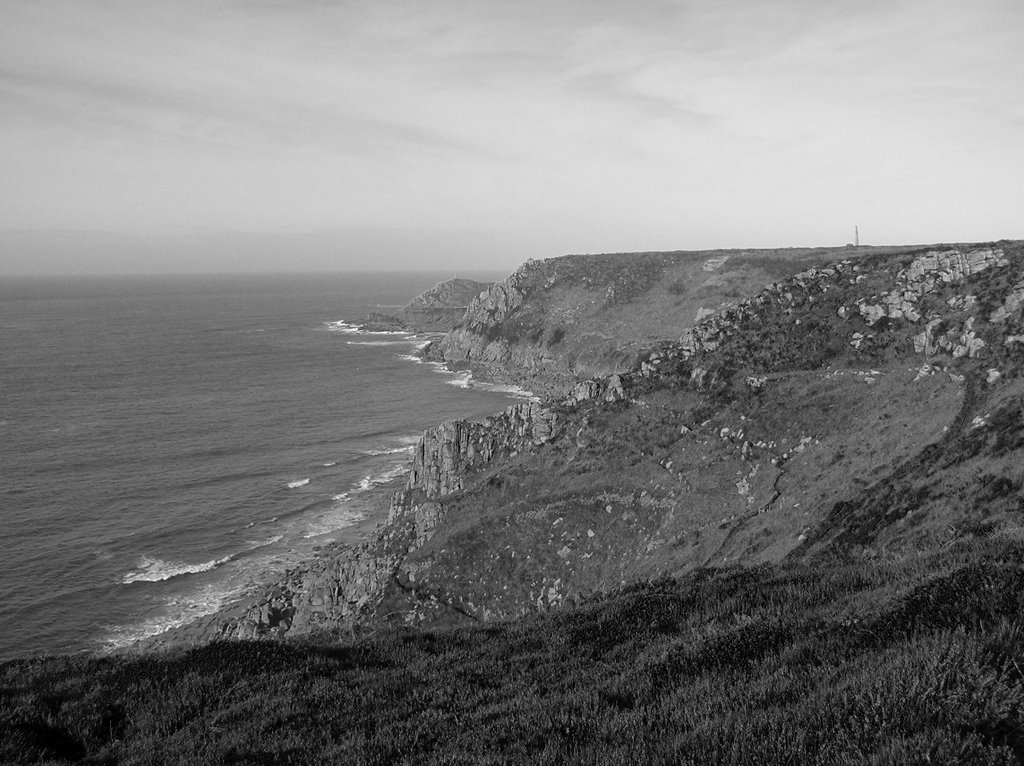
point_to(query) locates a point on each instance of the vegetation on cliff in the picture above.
(809, 420)
(893, 660)
(555, 320)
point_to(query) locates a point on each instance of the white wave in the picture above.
(177, 611)
(328, 465)
(351, 329)
(508, 389)
(344, 327)
(391, 451)
(461, 380)
(253, 545)
(339, 516)
(406, 443)
(378, 342)
(298, 483)
(156, 570)
(415, 355)
(392, 473)
(464, 379)
(335, 519)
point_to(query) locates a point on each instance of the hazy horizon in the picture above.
(71, 253)
(83, 252)
(256, 135)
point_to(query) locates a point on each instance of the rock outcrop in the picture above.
(340, 586)
(555, 321)
(447, 453)
(438, 309)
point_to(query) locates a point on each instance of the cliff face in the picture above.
(446, 454)
(869, 406)
(438, 309)
(340, 588)
(810, 420)
(554, 321)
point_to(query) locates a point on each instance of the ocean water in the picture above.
(166, 442)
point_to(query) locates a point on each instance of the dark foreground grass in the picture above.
(917, 660)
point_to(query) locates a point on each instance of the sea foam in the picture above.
(298, 483)
(344, 327)
(337, 518)
(392, 450)
(350, 329)
(156, 570)
(461, 380)
(378, 342)
(177, 611)
(392, 473)
(253, 545)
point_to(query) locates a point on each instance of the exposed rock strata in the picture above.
(555, 321)
(446, 453)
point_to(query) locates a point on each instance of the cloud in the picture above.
(197, 93)
(666, 123)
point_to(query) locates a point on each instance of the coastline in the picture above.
(271, 605)
(373, 502)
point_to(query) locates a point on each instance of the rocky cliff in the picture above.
(555, 321)
(347, 584)
(866, 407)
(438, 309)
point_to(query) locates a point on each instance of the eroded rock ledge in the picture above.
(336, 588)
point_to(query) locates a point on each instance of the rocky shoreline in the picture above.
(903, 321)
(335, 586)
(342, 583)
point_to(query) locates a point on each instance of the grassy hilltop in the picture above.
(790, 531)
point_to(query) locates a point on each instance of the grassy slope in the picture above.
(913, 659)
(848, 451)
(594, 314)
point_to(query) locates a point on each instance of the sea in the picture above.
(169, 442)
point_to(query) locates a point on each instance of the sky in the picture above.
(220, 135)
